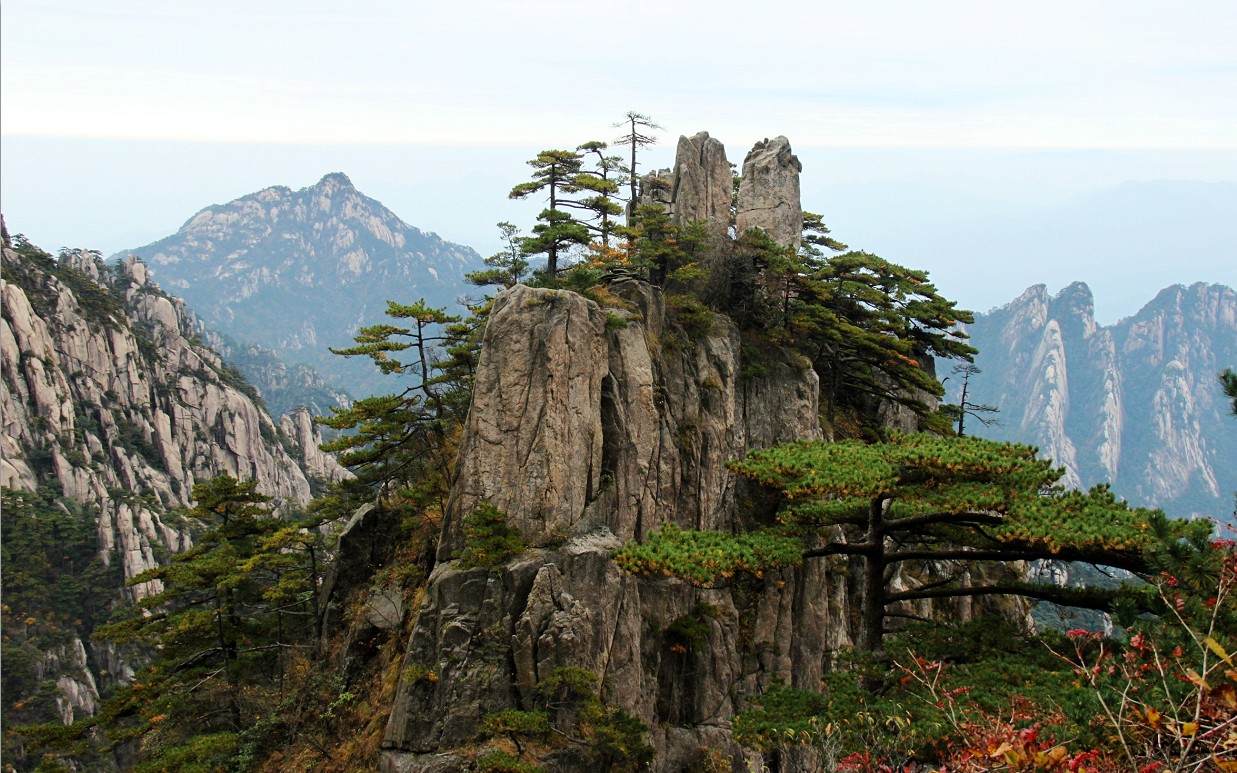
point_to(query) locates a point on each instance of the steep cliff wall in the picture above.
(1135, 404)
(587, 434)
(111, 407)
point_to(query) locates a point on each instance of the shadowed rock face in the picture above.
(769, 192)
(586, 437)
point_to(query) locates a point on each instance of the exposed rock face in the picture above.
(148, 410)
(587, 436)
(657, 188)
(319, 467)
(575, 428)
(701, 188)
(107, 398)
(252, 266)
(1136, 404)
(769, 192)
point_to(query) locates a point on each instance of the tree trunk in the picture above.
(872, 618)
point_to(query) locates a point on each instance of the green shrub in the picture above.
(488, 540)
(501, 762)
(615, 322)
(691, 315)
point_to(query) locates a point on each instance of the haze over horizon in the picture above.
(937, 136)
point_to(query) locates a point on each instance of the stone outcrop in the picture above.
(701, 188)
(702, 184)
(656, 188)
(319, 467)
(769, 193)
(1135, 404)
(588, 434)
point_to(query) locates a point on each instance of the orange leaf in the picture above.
(1226, 694)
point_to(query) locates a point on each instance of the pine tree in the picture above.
(602, 181)
(957, 502)
(636, 124)
(965, 407)
(868, 324)
(556, 172)
(223, 616)
(397, 437)
(507, 266)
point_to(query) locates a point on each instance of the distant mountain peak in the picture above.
(1075, 307)
(299, 271)
(336, 180)
(1033, 294)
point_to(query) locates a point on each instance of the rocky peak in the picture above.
(769, 192)
(701, 186)
(1135, 404)
(335, 181)
(251, 267)
(1074, 307)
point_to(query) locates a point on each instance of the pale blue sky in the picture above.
(118, 120)
(1121, 73)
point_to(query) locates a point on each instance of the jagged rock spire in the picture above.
(769, 192)
(701, 189)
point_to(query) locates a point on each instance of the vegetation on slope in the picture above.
(247, 676)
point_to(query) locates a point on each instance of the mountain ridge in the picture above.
(1135, 404)
(112, 410)
(251, 268)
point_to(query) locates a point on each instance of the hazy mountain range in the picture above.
(284, 274)
(1126, 242)
(1136, 404)
(299, 271)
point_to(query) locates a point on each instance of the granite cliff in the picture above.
(594, 425)
(112, 408)
(1135, 404)
(587, 436)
